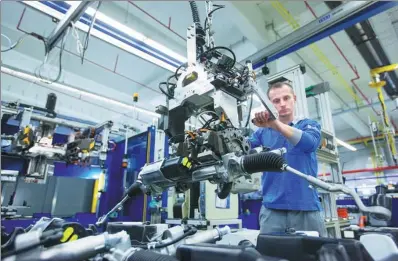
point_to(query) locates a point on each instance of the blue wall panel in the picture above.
(14, 163)
(61, 169)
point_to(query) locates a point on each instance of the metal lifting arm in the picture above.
(74, 13)
(259, 92)
(378, 84)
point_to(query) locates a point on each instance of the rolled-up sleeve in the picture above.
(307, 136)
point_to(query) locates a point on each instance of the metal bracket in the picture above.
(74, 13)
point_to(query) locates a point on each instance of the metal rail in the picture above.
(313, 28)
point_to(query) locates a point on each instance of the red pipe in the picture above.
(159, 22)
(394, 125)
(20, 21)
(370, 170)
(90, 61)
(117, 59)
(354, 171)
(357, 77)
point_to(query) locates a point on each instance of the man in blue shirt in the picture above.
(288, 200)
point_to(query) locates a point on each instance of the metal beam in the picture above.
(74, 13)
(336, 20)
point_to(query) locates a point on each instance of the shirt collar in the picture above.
(296, 120)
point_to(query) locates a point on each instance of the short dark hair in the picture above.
(279, 85)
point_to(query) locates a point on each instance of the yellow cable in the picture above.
(375, 164)
(390, 136)
(148, 159)
(320, 55)
(94, 201)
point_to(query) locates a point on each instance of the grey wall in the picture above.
(61, 196)
(72, 195)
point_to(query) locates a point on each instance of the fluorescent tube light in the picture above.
(346, 145)
(105, 35)
(90, 95)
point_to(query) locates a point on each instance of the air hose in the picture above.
(266, 161)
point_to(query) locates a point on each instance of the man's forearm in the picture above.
(293, 135)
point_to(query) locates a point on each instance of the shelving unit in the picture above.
(328, 154)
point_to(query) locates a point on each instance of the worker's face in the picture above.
(283, 99)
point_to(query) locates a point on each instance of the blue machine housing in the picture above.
(140, 151)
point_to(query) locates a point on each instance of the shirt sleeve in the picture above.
(307, 136)
(255, 139)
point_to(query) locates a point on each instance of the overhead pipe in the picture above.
(330, 23)
(365, 40)
(366, 139)
(357, 77)
(31, 78)
(340, 112)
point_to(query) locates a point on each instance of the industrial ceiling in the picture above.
(112, 72)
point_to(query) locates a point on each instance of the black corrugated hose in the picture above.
(266, 161)
(195, 13)
(200, 33)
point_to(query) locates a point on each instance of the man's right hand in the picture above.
(261, 119)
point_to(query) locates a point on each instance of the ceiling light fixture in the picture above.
(89, 95)
(346, 145)
(117, 34)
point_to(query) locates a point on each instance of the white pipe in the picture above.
(89, 95)
(344, 144)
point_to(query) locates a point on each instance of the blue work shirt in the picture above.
(287, 191)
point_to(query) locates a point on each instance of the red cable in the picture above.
(159, 22)
(349, 64)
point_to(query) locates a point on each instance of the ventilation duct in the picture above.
(365, 40)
